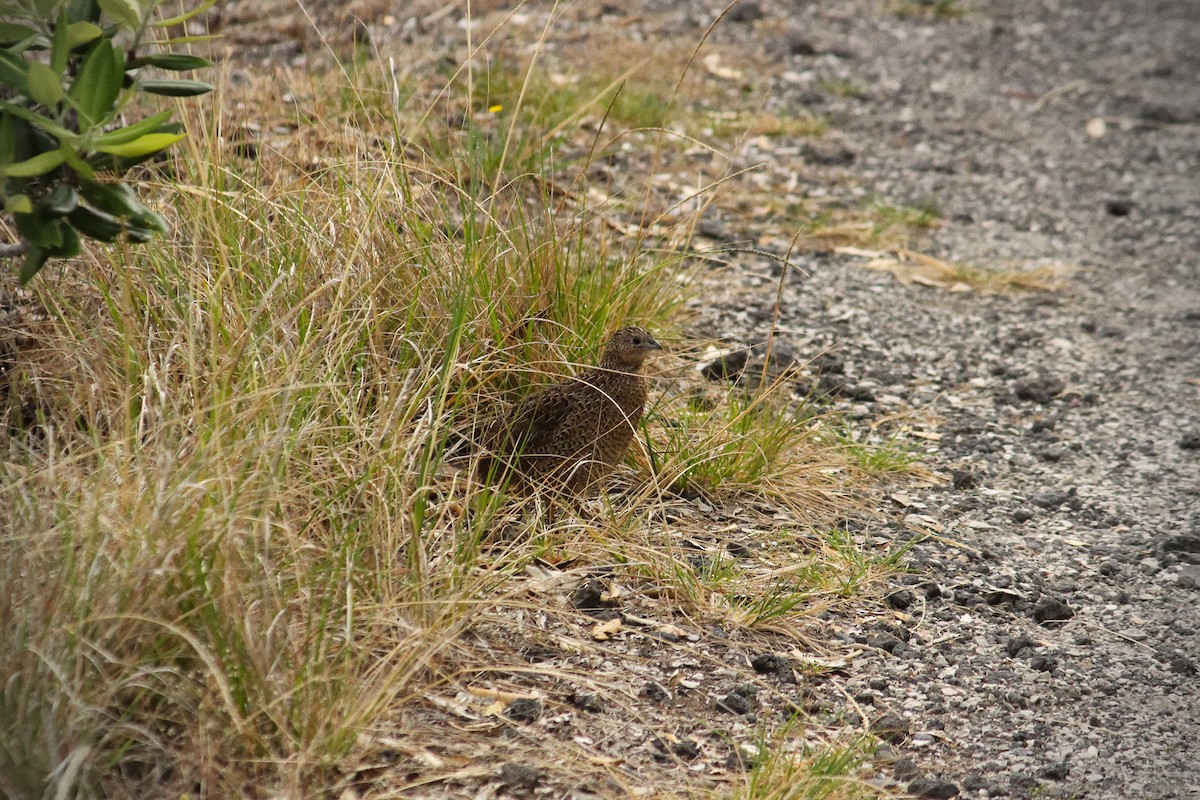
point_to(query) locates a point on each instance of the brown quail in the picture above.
(569, 435)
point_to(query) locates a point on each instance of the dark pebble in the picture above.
(830, 155)
(715, 229)
(885, 753)
(535, 653)
(1186, 545)
(799, 46)
(1001, 596)
(655, 692)
(738, 761)
(1038, 390)
(861, 394)
(1190, 441)
(885, 642)
(1022, 515)
(728, 367)
(828, 363)
(587, 596)
(1045, 424)
(1015, 645)
(905, 769)
(832, 385)
(686, 750)
(771, 664)
(933, 788)
(745, 12)
(1056, 772)
(978, 783)
(1053, 453)
(1029, 734)
(735, 704)
(900, 600)
(1043, 663)
(586, 702)
(1022, 783)
(1118, 208)
(963, 479)
(1183, 666)
(524, 709)
(891, 728)
(1051, 609)
(520, 776)
(1052, 499)
(246, 149)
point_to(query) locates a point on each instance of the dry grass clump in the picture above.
(935, 9)
(887, 235)
(231, 544)
(875, 224)
(913, 267)
(731, 125)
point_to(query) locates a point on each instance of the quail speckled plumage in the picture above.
(569, 435)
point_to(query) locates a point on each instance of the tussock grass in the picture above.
(883, 457)
(762, 442)
(223, 486)
(231, 545)
(789, 770)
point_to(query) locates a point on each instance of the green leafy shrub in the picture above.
(69, 70)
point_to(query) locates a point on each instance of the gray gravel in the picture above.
(1045, 643)
(1070, 421)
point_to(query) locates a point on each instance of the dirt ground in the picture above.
(1045, 642)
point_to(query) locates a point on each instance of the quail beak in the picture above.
(651, 344)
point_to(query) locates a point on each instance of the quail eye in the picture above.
(637, 340)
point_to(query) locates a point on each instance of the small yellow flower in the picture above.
(496, 109)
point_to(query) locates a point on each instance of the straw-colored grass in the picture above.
(914, 267)
(231, 546)
(873, 224)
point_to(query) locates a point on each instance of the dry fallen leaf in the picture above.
(614, 593)
(606, 630)
(712, 63)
